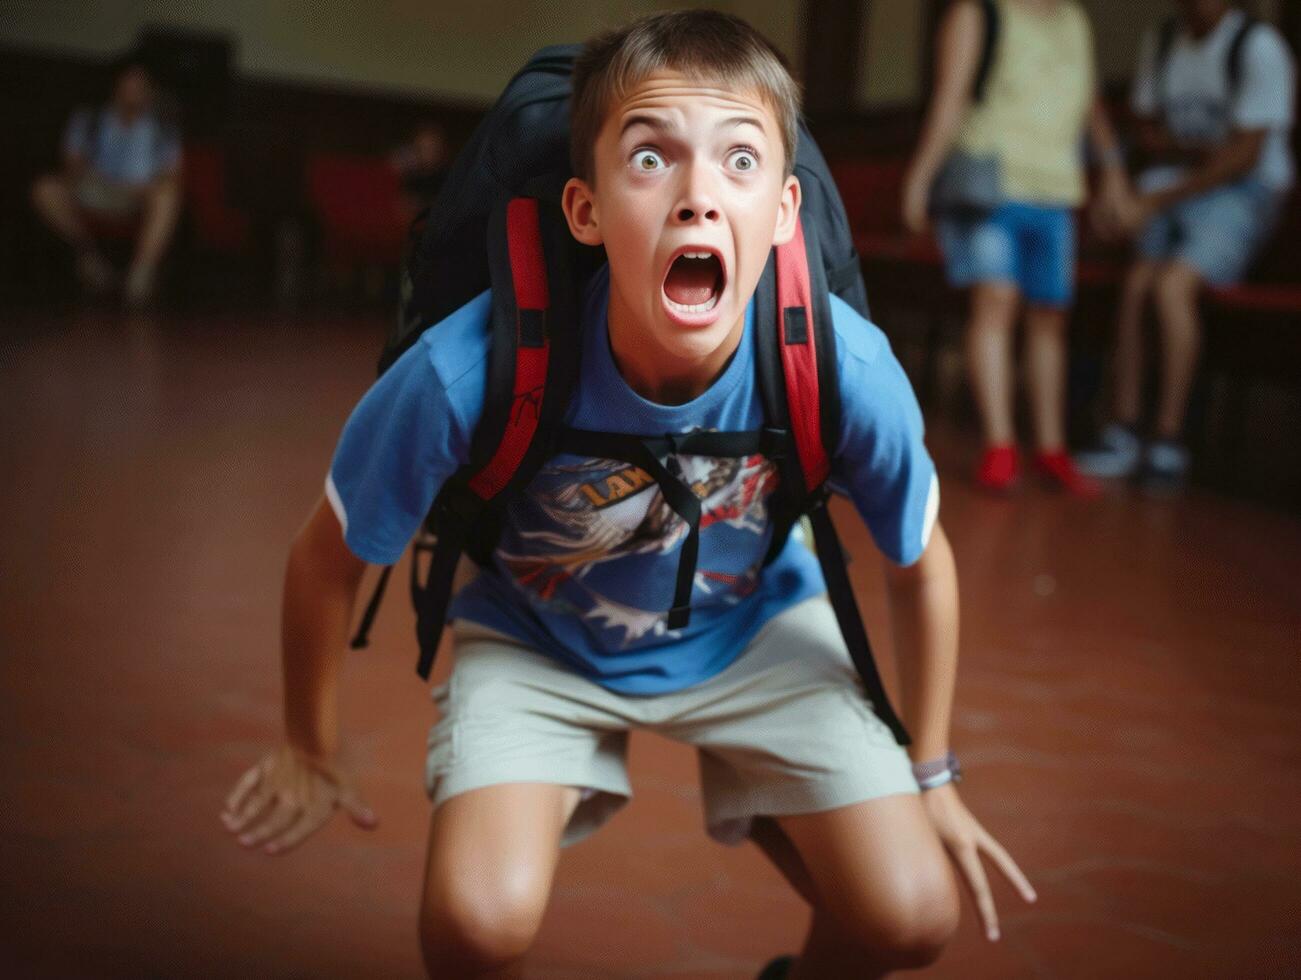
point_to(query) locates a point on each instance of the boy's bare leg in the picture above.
(881, 886)
(1128, 365)
(989, 358)
(1177, 289)
(492, 855)
(1045, 366)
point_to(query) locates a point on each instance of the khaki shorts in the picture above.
(96, 194)
(785, 729)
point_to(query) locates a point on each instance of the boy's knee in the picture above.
(922, 920)
(480, 924)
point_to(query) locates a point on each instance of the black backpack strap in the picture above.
(988, 49)
(361, 639)
(1165, 42)
(799, 386)
(1233, 62)
(657, 456)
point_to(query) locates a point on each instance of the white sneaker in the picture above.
(1165, 464)
(1118, 453)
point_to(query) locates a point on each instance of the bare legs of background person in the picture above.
(994, 308)
(161, 206)
(55, 203)
(1129, 358)
(1045, 367)
(1177, 288)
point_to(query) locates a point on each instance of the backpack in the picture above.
(993, 27)
(497, 224)
(1165, 41)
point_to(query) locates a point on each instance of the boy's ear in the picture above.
(788, 211)
(580, 211)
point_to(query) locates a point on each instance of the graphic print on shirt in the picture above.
(596, 538)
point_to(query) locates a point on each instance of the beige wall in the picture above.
(466, 50)
(460, 50)
(891, 53)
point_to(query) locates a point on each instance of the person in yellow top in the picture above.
(1014, 93)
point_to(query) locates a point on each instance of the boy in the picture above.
(683, 133)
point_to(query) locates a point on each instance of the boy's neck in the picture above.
(655, 374)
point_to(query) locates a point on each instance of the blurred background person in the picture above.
(422, 164)
(121, 171)
(1214, 99)
(1014, 90)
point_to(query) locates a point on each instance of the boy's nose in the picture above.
(697, 198)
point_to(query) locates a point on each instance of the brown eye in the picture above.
(647, 160)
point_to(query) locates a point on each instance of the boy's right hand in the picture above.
(288, 796)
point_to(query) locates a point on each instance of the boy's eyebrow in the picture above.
(661, 125)
(654, 122)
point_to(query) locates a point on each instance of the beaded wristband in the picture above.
(936, 772)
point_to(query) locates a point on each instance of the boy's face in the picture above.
(690, 196)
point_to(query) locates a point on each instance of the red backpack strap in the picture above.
(530, 344)
(806, 399)
(805, 327)
(533, 315)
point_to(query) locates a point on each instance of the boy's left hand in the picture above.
(966, 840)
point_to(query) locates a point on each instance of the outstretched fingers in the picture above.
(308, 822)
(242, 788)
(967, 857)
(1007, 866)
(282, 817)
(362, 815)
(255, 805)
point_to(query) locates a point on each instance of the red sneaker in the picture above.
(999, 469)
(1059, 470)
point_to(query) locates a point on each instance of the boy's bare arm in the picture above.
(321, 581)
(295, 789)
(924, 613)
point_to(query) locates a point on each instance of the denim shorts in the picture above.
(1218, 233)
(785, 729)
(1030, 246)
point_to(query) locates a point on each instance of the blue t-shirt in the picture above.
(128, 153)
(587, 562)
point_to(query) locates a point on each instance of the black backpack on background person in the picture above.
(1165, 42)
(497, 224)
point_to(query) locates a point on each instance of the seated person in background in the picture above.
(1214, 98)
(422, 163)
(121, 166)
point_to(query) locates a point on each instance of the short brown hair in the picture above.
(704, 45)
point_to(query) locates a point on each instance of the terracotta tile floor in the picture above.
(1129, 709)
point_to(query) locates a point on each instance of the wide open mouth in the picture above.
(694, 281)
